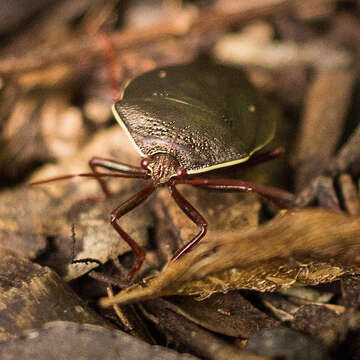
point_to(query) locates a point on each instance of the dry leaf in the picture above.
(305, 247)
(51, 209)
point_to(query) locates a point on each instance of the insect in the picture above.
(187, 120)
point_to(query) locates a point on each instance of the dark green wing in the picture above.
(206, 115)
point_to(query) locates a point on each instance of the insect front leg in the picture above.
(121, 210)
(113, 165)
(194, 216)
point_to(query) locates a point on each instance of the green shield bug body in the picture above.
(186, 120)
(217, 118)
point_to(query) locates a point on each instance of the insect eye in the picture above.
(180, 172)
(145, 163)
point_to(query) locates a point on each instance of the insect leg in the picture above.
(279, 197)
(194, 215)
(121, 210)
(267, 156)
(114, 166)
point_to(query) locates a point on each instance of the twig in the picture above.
(322, 124)
(351, 198)
(346, 156)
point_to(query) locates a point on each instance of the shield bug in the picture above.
(187, 120)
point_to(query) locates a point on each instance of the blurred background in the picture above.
(56, 93)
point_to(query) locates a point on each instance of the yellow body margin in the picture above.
(238, 161)
(123, 126)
